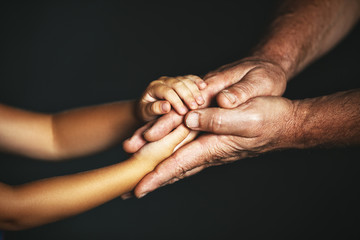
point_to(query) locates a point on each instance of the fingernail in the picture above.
(192, 121)
(193, 105)
(143, 195)
(200, 99)
(229, 96)
(183, 110)
(165, 107)
(203, 85)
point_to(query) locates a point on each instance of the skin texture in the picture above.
(301, 32)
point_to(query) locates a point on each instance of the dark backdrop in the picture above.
(56, 56)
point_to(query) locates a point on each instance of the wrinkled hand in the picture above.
(248, 78)
(259, 125)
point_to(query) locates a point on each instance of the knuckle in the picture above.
(163, 78)
(169, 93)
(181, 78)
(178, 84)
(180, 170)
(154, 107)
(215, 123)
(193, 77)
(242, 90)
(154, 83)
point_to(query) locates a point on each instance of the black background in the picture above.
(56, 56)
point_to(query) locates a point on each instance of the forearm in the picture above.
(52, 199)
(327, 121)
(66, 134)
(91, 129)
(306, 29)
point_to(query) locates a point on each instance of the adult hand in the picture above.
(249, 77)
(259, 125)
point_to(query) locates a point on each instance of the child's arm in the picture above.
(91, 129)
(52, 199)
(67, 134)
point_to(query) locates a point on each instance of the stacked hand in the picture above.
(243, 125)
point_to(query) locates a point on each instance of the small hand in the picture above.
(180, 93)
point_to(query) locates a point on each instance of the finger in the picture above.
(163, 126)
(191, 156)
(162, 91)
(237, 94)
(176, 137)
(251, 85)
(192, 135)
(183, 91)
(201, 84)
(136, 141)
(190, 84)
(157, 108)
(219, 120)
(220, 80)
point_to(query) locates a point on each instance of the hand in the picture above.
(167, 92)
(233, 84)
(248, 78)
(257, 126)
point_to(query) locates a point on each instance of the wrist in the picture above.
(137, 111)
(296, 126)
(276, 57)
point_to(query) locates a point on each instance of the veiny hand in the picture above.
(248, 78)
(257, 126)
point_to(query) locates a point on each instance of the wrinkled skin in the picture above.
(254, 127)
(249, 77)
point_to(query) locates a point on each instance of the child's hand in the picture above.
(171, 92)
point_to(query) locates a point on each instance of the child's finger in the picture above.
(175, 138)
(163, 125)
(198, 81)
(188, 139)
(157, 108)
(194, 89)
(164, 147)
(183, 91)
(162, 91)
(136, 141)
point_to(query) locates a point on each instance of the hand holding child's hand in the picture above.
(180, 93)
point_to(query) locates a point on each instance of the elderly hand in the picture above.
(259, 125)
(249, 77)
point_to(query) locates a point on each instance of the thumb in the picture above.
(255, 83)
(216, 120)
(240, 92)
